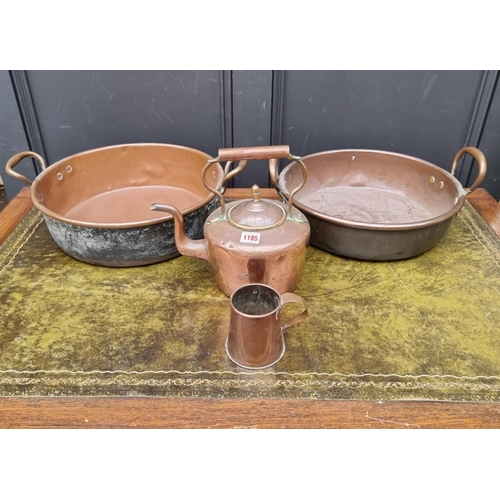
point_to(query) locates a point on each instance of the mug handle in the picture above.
(291, 297)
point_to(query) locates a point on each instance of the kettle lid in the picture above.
(256, 214)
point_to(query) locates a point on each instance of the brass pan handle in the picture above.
(12, 162)
(481, 161)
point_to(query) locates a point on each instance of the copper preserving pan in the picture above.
(377, 205)
(96, 203)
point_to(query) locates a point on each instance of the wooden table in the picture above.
(141, 412)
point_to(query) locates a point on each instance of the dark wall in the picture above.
(489, 144)
(427, 114)
(419, 113)
(80, 110)
(12, 135)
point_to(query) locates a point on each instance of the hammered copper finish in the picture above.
(377, 205)
(255, 338)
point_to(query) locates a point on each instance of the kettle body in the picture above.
(253, 240)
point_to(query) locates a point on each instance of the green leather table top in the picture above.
(427, 328)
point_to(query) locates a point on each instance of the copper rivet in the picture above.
(432, 180)
(69, 168)
(441, 185)
(59, 176)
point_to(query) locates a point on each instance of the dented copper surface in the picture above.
(249, 241)
(377, 205)
(96, 203)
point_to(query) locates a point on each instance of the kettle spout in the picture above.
(185, 245)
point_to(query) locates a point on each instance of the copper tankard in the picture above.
(255, 338)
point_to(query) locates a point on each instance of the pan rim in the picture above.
(377, 226)
(117, 225)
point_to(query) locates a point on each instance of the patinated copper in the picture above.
(96, 203)
(377, 205)
(249, 241)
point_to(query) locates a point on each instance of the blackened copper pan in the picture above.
(96, 203)
(377, 205)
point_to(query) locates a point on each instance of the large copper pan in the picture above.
(96, 203)
(377, 205)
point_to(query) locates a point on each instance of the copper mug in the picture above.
(255, 338)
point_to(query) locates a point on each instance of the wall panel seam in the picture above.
(27, 111)
(480, 113)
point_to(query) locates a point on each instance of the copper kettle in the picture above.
(253, 240)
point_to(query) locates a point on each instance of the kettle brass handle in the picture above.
(273, 173)
(244, 154)
(481, 161)
(226, 176)
(254, 153)
(12, 162)
(271, 153)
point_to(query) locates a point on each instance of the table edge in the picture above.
(205, 413)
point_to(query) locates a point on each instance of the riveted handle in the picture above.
(481, 161)
(17, 158)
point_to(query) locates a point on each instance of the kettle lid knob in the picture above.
(256, 214)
